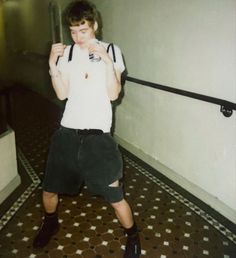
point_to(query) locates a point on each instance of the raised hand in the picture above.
(57, 50)
(99, 50)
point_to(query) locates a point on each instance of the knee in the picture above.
(118, 205)
(48, 195)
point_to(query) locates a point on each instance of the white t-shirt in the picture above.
(88, 105)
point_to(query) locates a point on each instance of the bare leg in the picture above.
(122, 210)
(50, 224)
(50, 201)
(123, 213)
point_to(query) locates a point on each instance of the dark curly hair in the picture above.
(80, 11)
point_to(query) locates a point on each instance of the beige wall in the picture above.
(2, 44)
(27, 24)
(27, 31)
(189, 45)
(9, 177)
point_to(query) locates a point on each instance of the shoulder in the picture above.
(68, 49)
(63, 60)
(116, 54)
(106, 45)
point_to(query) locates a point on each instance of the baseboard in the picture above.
(193, 189)
(9, 188)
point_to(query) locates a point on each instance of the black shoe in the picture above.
(133, 247)
(49, 227)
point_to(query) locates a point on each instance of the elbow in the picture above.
(61, 97)
(114, 95)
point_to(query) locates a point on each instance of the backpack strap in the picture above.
(111, 45)
(71, 52)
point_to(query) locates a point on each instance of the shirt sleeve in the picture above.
(119, 64)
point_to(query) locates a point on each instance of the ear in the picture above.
(95, 26)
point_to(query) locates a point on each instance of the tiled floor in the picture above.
(171, 223)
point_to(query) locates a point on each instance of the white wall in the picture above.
(9, 177)
(189, 45)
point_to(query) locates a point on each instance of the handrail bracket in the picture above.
(226, 110)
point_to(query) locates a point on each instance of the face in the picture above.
(81, 34)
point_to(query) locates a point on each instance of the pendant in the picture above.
(86, 76)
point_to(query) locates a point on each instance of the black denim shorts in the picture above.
(76, 158)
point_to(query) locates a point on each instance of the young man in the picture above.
(82, 150)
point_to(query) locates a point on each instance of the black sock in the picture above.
(51, 217)
(51, 214)
(133, 231)
(51, 220)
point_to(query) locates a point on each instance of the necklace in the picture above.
(86, 67)
(85, 63)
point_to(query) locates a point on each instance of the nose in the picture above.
(77, 37)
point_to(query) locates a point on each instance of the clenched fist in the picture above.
(57, 50)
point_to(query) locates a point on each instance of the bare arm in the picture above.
(113, 81)
(113, 76)
(59, 82)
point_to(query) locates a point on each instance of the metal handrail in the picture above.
(226, 107)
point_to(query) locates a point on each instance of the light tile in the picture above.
(79, 251)
(187, 235)
(143, 252)
(104, 243)
(205, 252)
